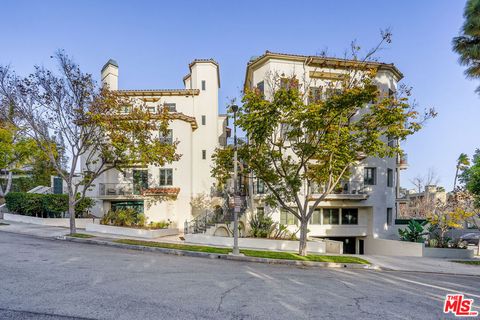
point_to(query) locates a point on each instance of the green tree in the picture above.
(462, 163)
(297, 145)
(69, 109)
(467, 45)
(16, 150)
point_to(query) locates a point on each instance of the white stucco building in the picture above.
(365, 205)
(165, 193)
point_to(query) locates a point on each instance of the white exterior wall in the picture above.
(191, 173)
(372, 211)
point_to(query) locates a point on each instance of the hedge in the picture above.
(44, 205)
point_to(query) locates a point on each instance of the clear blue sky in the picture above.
(153, 42)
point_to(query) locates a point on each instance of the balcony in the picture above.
(228, 141)
(132, 190)
(402, 162)
(349, 190)
(118, 190)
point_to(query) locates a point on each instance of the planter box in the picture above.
(131, 232)
(322, 247)
(447, 253)
(52, 222)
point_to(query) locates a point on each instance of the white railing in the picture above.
(348, 187)
(117, 189)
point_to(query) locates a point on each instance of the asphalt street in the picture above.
(53, 279)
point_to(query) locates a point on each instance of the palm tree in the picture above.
(467, 45)
(462, 163)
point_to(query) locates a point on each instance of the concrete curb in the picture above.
(222, 256)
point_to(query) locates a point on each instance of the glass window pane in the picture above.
(350, 216)
(330, 216)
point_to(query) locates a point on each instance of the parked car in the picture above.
(471, 238)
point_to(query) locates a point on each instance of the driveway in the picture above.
(48, 279)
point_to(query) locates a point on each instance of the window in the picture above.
(260, 187)
(140, 181)
(204, 85)
(389, 216)
(204, 120)
(350, 216)
(126, 109)
(389, 178)
(287, 83)
(315, 94)
(287, 218)
(369, 177)
(261, 87)
(171, 107)
(152, 109)
(166, 177)
(330, 92)
(316, 217)
(166, 139)
(204, 154)
(135, 205)
(330, 216)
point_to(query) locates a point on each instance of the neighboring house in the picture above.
(365, 205)
(414, 204)
(166, 192)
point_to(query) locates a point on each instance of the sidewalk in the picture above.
(33, 229)
(53, 232)
(419, 264)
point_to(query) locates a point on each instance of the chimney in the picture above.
(110, 74)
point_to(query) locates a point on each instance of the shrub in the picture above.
(159, 224)
(44, 205)
(261, 225)
(127, 217)
(414, 231)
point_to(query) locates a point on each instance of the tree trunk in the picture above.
(9, 183)
(302, 250)
(71, 212)
(455, 180)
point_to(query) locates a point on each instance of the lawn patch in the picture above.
(81, 235)
(4, 224)
(470, 262)
(249, 253)
(175, 246)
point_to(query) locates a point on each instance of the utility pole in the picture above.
(236, 196)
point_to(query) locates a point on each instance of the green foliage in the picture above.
(261, 225)
(159, 224)
(126, 217)
(20, 184)
(44, 205)
(81, 235)
(222, 171)
(471, 177)
(249, 253)
(467, 45)
(295, 144)
(414, 232)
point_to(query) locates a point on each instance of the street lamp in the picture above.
(236, 208)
